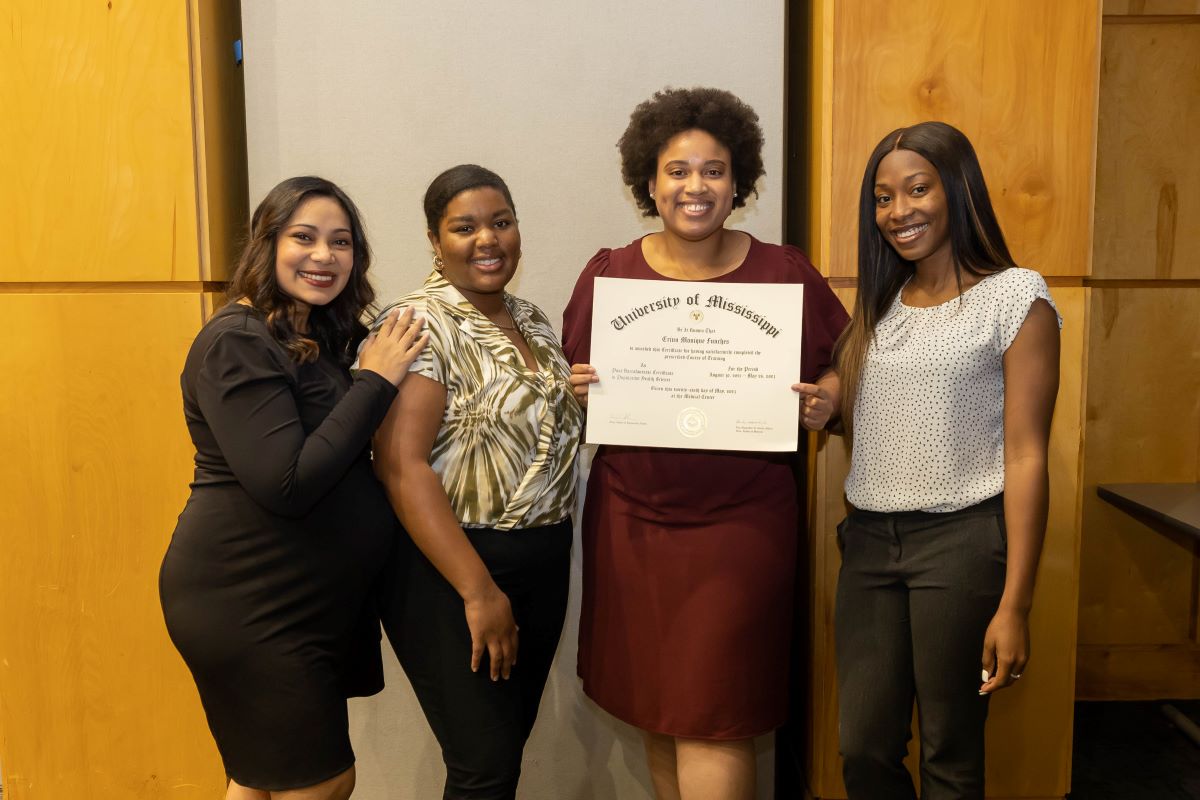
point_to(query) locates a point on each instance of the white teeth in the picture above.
(486, 262)
(696, 207)
(318, 278)
(911, 233)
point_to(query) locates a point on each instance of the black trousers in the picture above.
(481, 725)
(915, 595)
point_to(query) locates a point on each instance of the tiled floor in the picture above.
(1131, 751)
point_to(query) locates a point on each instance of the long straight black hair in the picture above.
(976, 242)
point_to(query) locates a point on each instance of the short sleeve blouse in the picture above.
(506, 449)
(929, 417)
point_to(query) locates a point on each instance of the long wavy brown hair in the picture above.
(976, 241)
(337, 327)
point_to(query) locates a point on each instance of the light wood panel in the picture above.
(95, 701)
(1138, 588)
(1147, 175)
(1005, 74)
(1140, 584)
(1030, 725)
(96, 142)
(827, 470)
(1029, 730)
(1138, 672)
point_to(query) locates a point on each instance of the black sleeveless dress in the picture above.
(267, 586)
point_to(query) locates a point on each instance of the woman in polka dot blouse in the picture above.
(949, 369)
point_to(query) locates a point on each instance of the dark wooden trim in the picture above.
(1151, 19)
(797, 122)
(111, 287)
(1142, 283)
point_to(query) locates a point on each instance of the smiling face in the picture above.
(910, 206)
(314, 253)
(479, 243)
(693, 186)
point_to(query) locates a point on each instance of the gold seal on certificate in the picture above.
(703, 365)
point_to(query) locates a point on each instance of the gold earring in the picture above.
(438, 264)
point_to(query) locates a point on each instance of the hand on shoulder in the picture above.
(392, 348)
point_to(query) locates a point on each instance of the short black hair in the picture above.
(449, 184)
(669, 112)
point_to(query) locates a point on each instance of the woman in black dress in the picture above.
(265, 586)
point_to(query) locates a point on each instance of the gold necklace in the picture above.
(513, 328)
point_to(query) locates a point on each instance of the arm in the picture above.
(243, 391)
(403, 446)
(1030, 386)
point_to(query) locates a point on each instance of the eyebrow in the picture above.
(685, 162)
(908, 178)
(471, 218)
(314, 227)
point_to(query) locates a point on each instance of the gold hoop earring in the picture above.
(438, 264)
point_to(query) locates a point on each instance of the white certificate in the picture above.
(695, 364)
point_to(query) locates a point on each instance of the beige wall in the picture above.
(380, 97)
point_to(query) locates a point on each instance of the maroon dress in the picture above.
(689, 556)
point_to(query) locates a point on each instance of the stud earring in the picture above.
(438, 264)
(652, 195)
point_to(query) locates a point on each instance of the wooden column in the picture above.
(122, 150)
(1020, 79)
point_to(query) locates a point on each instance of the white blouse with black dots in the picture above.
(929, 418)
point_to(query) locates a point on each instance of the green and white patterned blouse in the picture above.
(506, 449)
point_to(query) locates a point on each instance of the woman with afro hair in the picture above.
(689, 556)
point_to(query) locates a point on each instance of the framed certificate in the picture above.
(698, 365)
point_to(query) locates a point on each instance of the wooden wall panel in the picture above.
(94, 700)
(827, 472)
(1140, 583)
(1147, 175)
(1138, 588)
(1030, 725)
(96, 142)
(1005, 74)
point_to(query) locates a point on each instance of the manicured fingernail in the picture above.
(985, 675)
